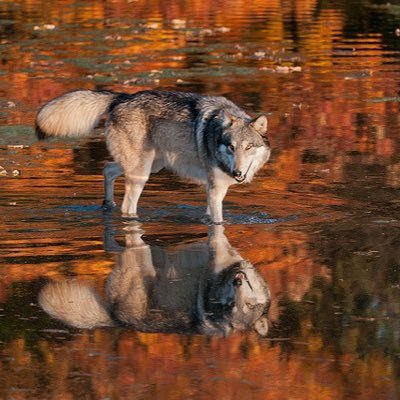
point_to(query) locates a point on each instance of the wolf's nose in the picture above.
(237, 282)
(237, 173)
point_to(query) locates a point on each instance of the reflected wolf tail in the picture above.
(75, 304)
(73, 114)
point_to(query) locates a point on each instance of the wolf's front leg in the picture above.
(216, 192)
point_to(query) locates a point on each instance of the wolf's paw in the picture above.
(129, 216)
(108, 205)
(206, 219)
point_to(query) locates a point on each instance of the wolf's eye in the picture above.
(231, 147)
(249, 146)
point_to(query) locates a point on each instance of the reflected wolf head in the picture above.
(237, 298)
(199, 287)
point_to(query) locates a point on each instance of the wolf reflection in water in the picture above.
(200, 287)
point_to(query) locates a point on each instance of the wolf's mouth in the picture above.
(243, 177)
(239, 278)
(240, 179)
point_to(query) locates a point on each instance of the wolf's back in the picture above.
(73, 114)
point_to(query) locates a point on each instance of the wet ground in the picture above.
(320, 224)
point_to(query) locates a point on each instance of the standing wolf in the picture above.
(207, 139)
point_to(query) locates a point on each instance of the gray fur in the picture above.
(207, 139)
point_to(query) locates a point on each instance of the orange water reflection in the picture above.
(335, 173)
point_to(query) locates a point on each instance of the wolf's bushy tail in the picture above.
(73, 114)
(75, 304)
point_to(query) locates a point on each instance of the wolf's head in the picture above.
(242, 145)
(237, 298)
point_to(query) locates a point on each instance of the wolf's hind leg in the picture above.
(112, 170)
(136, 176)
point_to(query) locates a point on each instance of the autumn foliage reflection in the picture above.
(334, 131)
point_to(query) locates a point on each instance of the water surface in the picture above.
(320, 224)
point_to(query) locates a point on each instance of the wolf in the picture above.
(192, 288)
(206, 139)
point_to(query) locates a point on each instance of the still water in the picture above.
(318, 231)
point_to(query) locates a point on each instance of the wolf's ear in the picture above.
(261, 326)
(260, 124)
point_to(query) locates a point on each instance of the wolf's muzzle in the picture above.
(237, 174)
